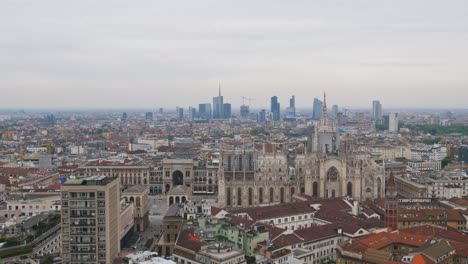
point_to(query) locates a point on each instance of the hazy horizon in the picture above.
(150, 54)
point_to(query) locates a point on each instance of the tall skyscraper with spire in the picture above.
(218, 105)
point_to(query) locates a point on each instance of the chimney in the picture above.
(355, 208)
(339, 230)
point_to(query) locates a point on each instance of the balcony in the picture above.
(82, 225)
(92, 215)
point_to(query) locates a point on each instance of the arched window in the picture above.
(281, 195)
(315, 189)
(171, 200)
(260, 195)
(349, 189)
(271, 194)
(177, 199)
(239, 196)
(228, 196)
(177, 178)
(379, 188)
(292, 191)
(250, 196)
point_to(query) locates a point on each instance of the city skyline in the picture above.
(99, 55)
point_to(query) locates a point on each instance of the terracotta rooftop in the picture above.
(275, 211)
(189, 241)
(459, 201)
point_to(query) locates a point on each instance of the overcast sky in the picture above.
(149, 53)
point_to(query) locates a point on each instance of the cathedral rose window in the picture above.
(332, 174)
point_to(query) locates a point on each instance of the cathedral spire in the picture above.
(324, 110)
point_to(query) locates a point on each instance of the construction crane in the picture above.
(248, 99)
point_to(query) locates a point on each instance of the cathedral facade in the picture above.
(250, 178)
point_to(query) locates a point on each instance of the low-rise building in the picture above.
(138, 195)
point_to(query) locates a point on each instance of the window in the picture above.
(101, 194)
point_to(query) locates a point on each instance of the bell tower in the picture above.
(391, 204)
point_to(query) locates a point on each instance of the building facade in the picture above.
(138, 195)
(248, 177)
(91, 220)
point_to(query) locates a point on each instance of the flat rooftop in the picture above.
(136, 189)
(92, 180)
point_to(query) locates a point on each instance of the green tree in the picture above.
(446, 161)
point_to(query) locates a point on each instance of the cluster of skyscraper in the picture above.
(220, 109)
(389, 121)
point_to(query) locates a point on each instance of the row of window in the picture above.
(83, 195)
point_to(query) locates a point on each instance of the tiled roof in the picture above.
(448, 233)
(375, 256)
(350, 223)
(189, 241)
(275, 211)
(215, 210)
(238, 220)
(380, 240)
(438, 249)
(305, 235)
(286, 240)
(421, 259)
(459, 201)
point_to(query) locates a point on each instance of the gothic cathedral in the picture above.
(248, 177)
